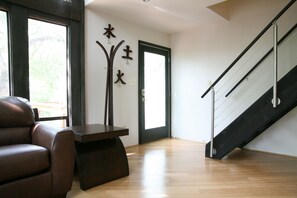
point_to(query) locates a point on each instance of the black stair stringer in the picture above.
(257, 118)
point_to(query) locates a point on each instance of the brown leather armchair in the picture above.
(35, 160)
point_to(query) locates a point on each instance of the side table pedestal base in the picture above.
(100, 162)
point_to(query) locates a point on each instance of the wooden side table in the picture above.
(100, 154)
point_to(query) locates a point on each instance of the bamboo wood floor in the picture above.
(178, 168)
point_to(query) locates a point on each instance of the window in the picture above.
(4, 71)
(46, 60)
(47, 69)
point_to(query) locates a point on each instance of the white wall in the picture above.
(200, 55)
(125, 96)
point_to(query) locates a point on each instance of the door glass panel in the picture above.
(4, 71)
(154, 90)
(48, 68)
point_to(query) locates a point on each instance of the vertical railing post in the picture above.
(212, 120)
(275, 65)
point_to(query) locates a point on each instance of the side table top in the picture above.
(94, 132)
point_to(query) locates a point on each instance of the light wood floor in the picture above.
(178, 168)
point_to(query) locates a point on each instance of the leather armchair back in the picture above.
(16, 121)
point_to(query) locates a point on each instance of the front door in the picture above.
(154, 92)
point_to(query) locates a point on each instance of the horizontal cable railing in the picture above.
(257, 83)
(258, 52)
(260, 61)
(249, 46)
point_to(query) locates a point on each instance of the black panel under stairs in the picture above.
(257, 118)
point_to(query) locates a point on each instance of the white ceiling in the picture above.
(168, 16)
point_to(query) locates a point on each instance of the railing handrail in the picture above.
(250, 45)
(260, 61)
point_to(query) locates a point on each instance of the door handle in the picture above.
(143, 95)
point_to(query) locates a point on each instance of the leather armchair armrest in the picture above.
(60, 143)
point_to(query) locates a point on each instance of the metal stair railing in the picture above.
(275, 100)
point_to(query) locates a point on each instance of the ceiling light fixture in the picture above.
(146, 0)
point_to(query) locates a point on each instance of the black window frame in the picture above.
(18, 15)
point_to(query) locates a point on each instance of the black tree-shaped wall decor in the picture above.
(109, 82)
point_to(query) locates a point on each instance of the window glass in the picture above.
(4, 71)
(154, 83)
(48, 68)
(56, 123)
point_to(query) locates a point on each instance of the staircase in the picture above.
(256, 118)
(262, 113)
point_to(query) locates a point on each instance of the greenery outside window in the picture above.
(47, 70)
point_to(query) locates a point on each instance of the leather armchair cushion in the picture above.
(15, 135)
(22, 160)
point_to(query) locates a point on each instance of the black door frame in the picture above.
(154, 134)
